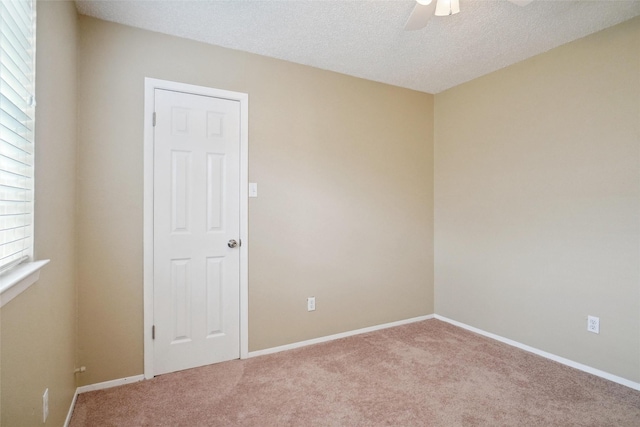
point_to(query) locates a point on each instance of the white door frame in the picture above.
(150, 85)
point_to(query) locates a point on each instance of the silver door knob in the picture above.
(232, 243)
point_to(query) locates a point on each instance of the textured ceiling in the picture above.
(366, 38)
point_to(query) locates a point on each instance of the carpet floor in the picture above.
(428, 373)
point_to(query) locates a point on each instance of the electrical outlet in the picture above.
(45, 405)
(311, 304)
(593, 324)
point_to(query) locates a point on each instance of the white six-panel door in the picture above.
(196, 209)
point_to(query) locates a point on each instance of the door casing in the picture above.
(150, 85)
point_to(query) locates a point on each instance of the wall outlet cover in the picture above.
(45, 405)
(593, 324)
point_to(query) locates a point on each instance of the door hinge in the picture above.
(153, 332)
(154, 118)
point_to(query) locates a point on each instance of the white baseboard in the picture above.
(71, 408)
(109, 384)
(567, 362)
(335, 336)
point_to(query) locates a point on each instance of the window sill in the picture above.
(18, 280)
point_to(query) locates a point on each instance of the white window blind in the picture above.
(17, 114)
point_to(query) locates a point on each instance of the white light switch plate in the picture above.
(253, 189)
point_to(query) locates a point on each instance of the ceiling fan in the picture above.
(425, 9)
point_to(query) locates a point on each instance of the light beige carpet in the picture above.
(423, 374)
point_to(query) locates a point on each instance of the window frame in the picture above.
(18, 61)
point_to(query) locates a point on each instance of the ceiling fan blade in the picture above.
(521, 2)
(420, 16)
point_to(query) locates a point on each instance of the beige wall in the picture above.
(537, 201)
(344, 168)
(38, 342)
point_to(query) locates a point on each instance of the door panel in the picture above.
(196, 213)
